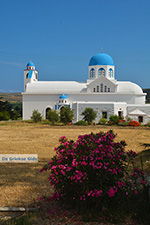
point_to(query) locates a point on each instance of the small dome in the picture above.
(63, 96)
(101, 59)
(30, 64)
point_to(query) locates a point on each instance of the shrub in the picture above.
(114, 119)
(81, 123)
(36, 116)
(4, 115)
(103, 121)
(134, 123)
(123, 123)
(66, 115)
(93, 171)
(89, 115)
(53, 116)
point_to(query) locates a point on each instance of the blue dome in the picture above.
(101, 59)
(30, 64)
(63, 96)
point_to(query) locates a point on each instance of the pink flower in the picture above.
(112, 191)
(62, 139)
(55, 196)
(74, 163)
(83, 163)
(95, 193)
(120, 184)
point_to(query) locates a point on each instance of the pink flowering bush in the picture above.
(93, 170)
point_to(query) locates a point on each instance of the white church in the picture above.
(101, 91)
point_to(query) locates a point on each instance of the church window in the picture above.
(101, 71)
(108, 89)
(111, 73)
(105, 89)
(92, 73)
(93, 89)
(101, 87)
(97, 88)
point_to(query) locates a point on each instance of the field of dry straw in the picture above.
(22, 184)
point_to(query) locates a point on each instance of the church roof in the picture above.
(126, 87)
(55, 87)
(137, 112)
(30, 64)
(101, 59)
(58, 87)
(63, 96)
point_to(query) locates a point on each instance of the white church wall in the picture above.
(98, 107)
(37, 102)
(106, 97)
(120, 107)
(42, 101)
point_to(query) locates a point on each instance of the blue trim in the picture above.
(30, 74)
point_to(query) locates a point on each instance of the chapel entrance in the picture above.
(47, 111)
(140, 119)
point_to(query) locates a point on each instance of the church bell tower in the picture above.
(30, 74)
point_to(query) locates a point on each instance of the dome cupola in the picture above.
(101, 59)
(101, 64)
(30, 66)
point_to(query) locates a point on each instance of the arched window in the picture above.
(101, 87)
(97, 88)
(111, 73)
(92, 73)
(47, 111)
(105, 89)
(101, 71)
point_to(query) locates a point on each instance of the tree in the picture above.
(89, 115)
(36, 116)
(66, 115)
(4, 115)
(114, 119)
(14, 110)
(5, 106)
(53, 116)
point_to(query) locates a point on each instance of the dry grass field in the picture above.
(21, 184)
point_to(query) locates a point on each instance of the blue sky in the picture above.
(60, 37)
